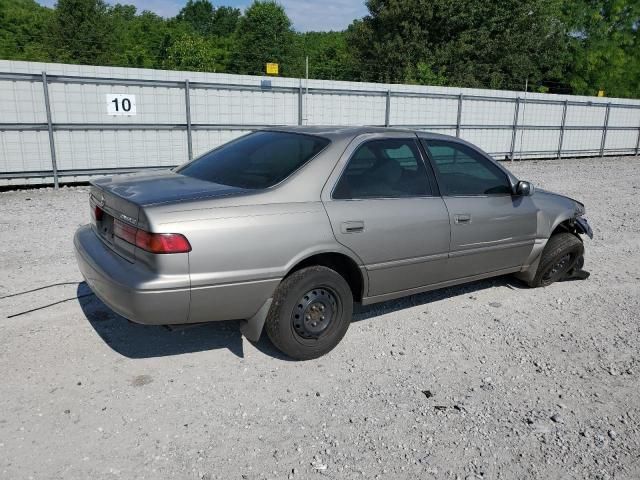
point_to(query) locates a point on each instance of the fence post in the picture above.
(564, 120)
(515, 128)
(459, 120)
(300, 104)
(638, 142)
(187, 103)
(52, 144)
(604, 129)
(387, 111)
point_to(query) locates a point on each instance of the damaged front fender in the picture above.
(582, 226)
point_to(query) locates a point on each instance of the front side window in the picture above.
(390, 168)
(463, 171)
(256, 161)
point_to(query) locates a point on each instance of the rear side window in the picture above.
(390, 168)
(256, 161)
(463, 171)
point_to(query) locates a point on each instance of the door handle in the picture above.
(462, 218)
(352, 226)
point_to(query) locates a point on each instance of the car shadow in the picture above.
(147, 341)
(366, 312)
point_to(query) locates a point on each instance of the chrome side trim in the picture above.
(239, 282)
(502, 246)
(406, 261)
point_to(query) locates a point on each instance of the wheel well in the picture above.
(342, 264)
(568, 225)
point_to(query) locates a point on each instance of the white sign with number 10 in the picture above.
(121, 104)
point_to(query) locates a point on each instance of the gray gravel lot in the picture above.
(487, 380)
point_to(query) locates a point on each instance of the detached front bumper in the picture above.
(131, 289)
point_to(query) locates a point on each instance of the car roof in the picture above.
(335, 132)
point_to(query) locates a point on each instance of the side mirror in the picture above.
(524, 189)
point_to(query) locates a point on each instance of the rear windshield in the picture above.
(256, 161)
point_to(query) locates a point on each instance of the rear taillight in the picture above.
(151, 242)
(125, 231)
(96, 213)
(162, 242)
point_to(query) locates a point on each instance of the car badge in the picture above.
(129, 219)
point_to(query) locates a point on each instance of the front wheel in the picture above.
(561, 254)
(310, 313)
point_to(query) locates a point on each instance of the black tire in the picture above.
(561, 253)
(310, 313)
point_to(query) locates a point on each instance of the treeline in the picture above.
(562, 46)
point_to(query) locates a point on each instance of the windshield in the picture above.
(256, 161)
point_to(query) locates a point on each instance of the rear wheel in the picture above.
(310, 313)
(561, 254)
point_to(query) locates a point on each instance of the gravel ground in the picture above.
(487, 380)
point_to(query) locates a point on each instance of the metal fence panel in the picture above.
(537, 141)
(24, 151)
(624, 117)
(487, 112)
(116, 149)
(205, 140)
(179, 115)
(22, 102)
(586, 115)
(620, 140)
(423, 111)
(582, 140)
(496, 141)
(324, 108)
(72, 103)
(237, 107)
(541, 114)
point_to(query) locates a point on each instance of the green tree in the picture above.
(225, 21)
(81, 32)
(471, 43)
(209, 21)
(502, 44)
(22, 27)
(198, 14)
(140, 39)
(264, 34)
(191, 52)
(605, 46)
(425, 74)
(329, 55)
(392, 39)
(565, 46)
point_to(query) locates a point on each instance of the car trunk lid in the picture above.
(121, 200)
(159, 187)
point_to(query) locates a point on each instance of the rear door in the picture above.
(383, 204)
(491, 229)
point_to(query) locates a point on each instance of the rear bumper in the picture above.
(131, 290)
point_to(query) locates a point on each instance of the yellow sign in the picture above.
(272, 69)
(601, 93)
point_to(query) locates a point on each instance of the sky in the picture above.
(306, 15)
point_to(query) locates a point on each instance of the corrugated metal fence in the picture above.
(67, 122)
